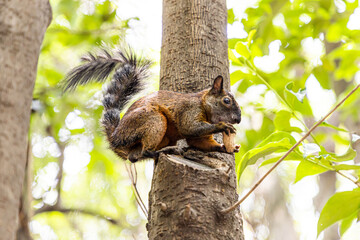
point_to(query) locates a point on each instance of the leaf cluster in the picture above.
(300, 40)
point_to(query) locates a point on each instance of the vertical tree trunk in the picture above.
(327, 180)
(194, 46)
(22, 27)
(187, 195)
(277, 216)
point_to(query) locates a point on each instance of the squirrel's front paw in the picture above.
(171, 150)
(219, 148)
(226, 127)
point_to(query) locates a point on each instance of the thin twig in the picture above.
(337, 171)
(137, 195)
(346, 176)
(135, 171)
(227, 210)
(136, 190)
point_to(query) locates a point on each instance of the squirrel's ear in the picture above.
(217, 85)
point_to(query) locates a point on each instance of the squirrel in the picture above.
(157, 120)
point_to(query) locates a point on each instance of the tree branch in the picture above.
(57, 208)
(227, 210)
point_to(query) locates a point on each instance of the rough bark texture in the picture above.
(22, 27)
(188, 191)
(194, 46)
(187, 195)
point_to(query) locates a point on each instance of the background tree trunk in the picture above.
(187, 195)
(327, 180)
(276, 214)
(22, 27)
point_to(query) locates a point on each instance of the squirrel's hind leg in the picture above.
(206, 143)
(153, 132)
(154, 136)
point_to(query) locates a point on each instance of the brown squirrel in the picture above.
(157, 120)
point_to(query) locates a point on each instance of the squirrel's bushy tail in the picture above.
(127, 79)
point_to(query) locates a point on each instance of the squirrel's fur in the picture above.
(159, 119)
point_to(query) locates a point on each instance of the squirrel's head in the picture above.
(220, 105)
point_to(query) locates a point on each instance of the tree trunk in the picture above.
(327, 180)
(22, 27)
(194, 46)
(276, 213)
(187, 196)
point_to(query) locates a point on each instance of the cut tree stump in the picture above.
(207, 185)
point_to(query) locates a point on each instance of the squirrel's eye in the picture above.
(226, 100)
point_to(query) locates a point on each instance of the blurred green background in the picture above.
(291, 61)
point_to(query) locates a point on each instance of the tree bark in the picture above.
(22, 27)
(194, 46)
(188, 192)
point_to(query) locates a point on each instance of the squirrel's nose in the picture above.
(237, 118)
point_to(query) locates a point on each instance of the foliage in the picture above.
(67, 141)
(292, 46)
(349, 211)
(290, 49)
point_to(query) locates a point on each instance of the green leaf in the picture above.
(250, 37)
(240, 75)
(282, 122)
(242, 49)
(346, 223)
(322, 75)
(340, 206)
(231, 16)
(334, 32)
(277, 136)
(77, 131)
(293, 156)
(349, 155)
(243, 86)
(340, 139)
(262, 150)
(326, 124)
(300, 94)
(232, 42)
(233, 58)
(297, 99)
(346, 167)
(309, 167)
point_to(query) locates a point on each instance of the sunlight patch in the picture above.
(75, 160)
(321, 100)
(270, 63)
(354, 20)
(313, 50)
